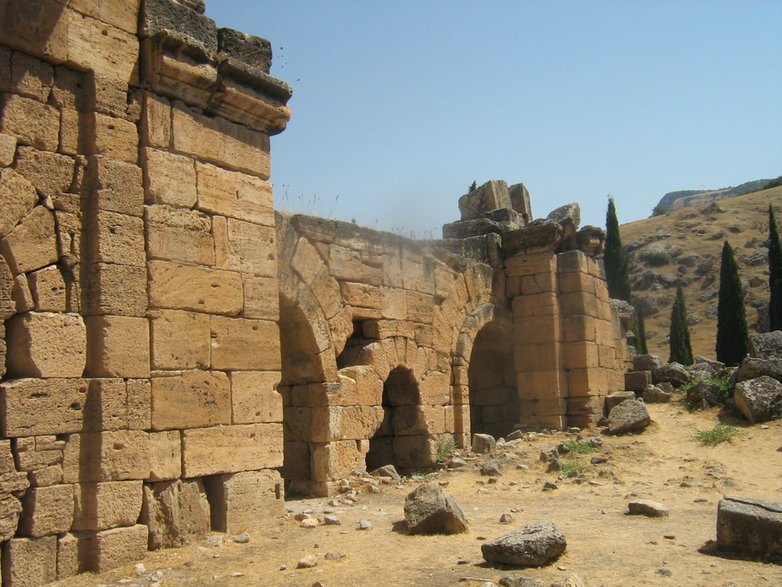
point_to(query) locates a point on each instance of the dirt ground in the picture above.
(605, 546)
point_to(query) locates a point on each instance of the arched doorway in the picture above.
(494, 399)
(402, 439)
(301, 388)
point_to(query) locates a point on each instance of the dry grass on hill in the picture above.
(685, 246)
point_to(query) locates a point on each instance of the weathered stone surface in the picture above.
(752, 368)
(116, 238)
(254, 397)
(648, 508)
(116, 455)
(17, 199)
(519, 199)
(230, 449)
(672, 373)
(655, 395)
(246, 247)
(637, 380)
(175, 234)
(117, 184)
(706, 394)
(169, 179)
(165, 15)
(191, 399)
(429, 510)
(100, 506)
(254, 51)
(483, 443)
(241, 500)
(629, 416)
(241, 344)
(165, 455)
(35, 406)
(176, 512)
(30, 562)
(180, 340)
(119, 290)
(766, 345)
(31, 122)
(759, 400)
(118, 346)
(614, 399)
(539, 234)
(41, 457)
(235, 195)
(10, 481)
(115, 137)
(490, 196)
(568, 216)
(49, 290)
(750, 526)
(7, 149)
(43, 344)
(388, 471)
(113, 548)
(47, 510)
(183, 287)
(532, 545)
(50, 173)
(32, 244)
(67, 556)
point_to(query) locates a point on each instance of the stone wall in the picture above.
(175, 356)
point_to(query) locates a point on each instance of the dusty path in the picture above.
(605, 546)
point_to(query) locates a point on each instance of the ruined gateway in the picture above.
(176, 356)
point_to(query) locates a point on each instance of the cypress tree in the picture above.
(732, 338)
(679, 339)
(640, 333)
(774, 273)
(615, 260)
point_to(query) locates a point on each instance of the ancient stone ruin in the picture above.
(176, 356)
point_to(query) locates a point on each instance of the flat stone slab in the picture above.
(750, 526)
(648, 508)
(532, 545)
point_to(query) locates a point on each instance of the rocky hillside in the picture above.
(684, 246)
(691, 198)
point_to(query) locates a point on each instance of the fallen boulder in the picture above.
(483, 443)
(648, 508)
(752, 368)
(750, 526)
(388, 471)
(760, 399)
(706, 394)
(532, 545)
(766, 345)
(646, 362)
(629, 416)
(429, 510)
(673, 373)
(655, 395)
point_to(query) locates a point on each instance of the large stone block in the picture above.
(123, 15)
(750, 526)
(30, 121)
(119, 290)
(490, 196)
(114, 137)
(241, 344)
(261, 297)
(32, 244)
(117, 455)
(30, 562)
(169, 179)
(254, 397)
(46, 345)
(118, 346)
(221, 142)
(156, 122)
(191, 399)
(34, 406)
(49, 290)
(242, 500)
(49, 172)
(234, 195)
(100, 506)
(117, 185)
(175, 234)
(31, 77)
(7, 149)
(199, 289)
(116, 238)
(230, 449)
(113, 404)
(47, 510)
(107, 50)
(67, 556)
(246, 247)
(176, 512)
(116, 547)
(39, 456)
(180, 340)
(165, 455)
(336, 460)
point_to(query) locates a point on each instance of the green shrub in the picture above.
(656, 258)
(578, 447)
(445, 448)
(720, 433)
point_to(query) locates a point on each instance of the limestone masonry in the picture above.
(176, 356)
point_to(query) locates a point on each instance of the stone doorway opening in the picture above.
(494, 398)
(302, 388)
(402, 439)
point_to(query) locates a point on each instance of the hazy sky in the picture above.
(399, 105)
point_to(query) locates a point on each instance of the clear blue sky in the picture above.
(399, 105)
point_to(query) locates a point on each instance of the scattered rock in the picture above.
(759, 400)
(614, 399)
(429, 510)
(456, 463)
(664, 572)
(648, 508)
(629, 416)
(506, 519)
(750, 526)
(139, 569)
(573, 580)
(307, 562)
(598, 460)
(549, 486)
(483, 443)
(752, 368)
(549, 454)
(334, 556)
(331, 520)
(387, 471)
(532, 545)
(673, 373)
(654, 395)
(491, 469)
(704, 395)
(554, 466)
(511, 581)
(365, 525)
(213, 540)
(767, 345)
(516, 435)
(242, 538)
(309, 523)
